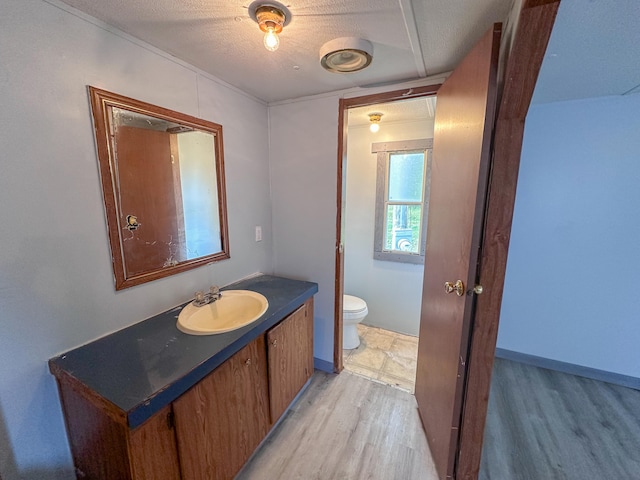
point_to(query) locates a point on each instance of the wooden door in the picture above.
(147, 175)
(221, 421)
(290, 354)
(464, 121)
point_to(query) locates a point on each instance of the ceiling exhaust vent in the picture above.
(346, 54)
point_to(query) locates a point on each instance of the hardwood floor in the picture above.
(548, 425)
(541, 425)
(345, 427)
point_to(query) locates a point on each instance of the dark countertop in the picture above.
(146, 366)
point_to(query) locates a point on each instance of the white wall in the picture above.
(392, 290)
(571, 291)
(303, 158)
(56, 282)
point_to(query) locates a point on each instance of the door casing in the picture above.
(344, 105)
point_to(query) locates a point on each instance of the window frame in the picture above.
(384, 150)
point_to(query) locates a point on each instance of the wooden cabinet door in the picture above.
(290, 353)
(152, 448)
(221, 421)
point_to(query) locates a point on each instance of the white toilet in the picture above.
(354, 310)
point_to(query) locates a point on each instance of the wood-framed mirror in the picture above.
(163, 185)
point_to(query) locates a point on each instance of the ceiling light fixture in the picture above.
(271, 19)
(346, 54)
(374, 118)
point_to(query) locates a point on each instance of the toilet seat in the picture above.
(351, 304)
(354, 310)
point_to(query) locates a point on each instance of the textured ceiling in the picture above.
(411, 38)
(399, 111)
(593, 51)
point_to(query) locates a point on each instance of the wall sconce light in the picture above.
(374, 118)
(271, 19)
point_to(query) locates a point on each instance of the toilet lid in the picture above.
(353, 304)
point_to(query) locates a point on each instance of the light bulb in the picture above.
(271, 41)
(374, 127)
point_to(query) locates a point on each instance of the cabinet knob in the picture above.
(248, 362)
(274, 343)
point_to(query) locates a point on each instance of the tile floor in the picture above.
(385, 356)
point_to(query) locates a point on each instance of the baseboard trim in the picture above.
(588, 372)
(322, 365)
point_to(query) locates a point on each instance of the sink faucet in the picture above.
(202, 299)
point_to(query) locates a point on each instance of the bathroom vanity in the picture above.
(151, 402)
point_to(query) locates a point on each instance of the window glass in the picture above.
(402, 199)
(403, 228)
(406, 174)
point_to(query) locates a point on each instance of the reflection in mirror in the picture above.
(163, 185)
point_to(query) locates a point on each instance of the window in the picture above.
(402, 200)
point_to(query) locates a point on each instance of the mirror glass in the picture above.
(163, 185)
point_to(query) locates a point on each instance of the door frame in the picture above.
(528, 47)
(344, 105)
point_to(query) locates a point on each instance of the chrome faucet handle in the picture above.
(214, 290)
(199, 296)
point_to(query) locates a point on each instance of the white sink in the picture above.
(233, 310)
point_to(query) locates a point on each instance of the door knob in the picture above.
(457, 287)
